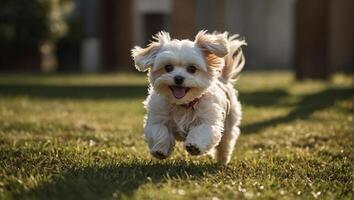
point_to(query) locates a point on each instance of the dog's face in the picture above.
(181, 70)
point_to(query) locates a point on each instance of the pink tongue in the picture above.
(178, 92)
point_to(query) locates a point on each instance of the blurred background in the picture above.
(312, 37)
(71, 112)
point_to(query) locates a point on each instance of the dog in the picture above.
(191, 93)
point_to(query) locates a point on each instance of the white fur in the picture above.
(212, 123)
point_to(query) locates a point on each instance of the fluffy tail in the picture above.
(234, 60)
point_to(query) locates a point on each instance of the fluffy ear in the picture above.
(144, 57)
(212, 43)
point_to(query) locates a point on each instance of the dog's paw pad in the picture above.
(159, 155)
(192, 149)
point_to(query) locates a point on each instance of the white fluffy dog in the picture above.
(191, 95)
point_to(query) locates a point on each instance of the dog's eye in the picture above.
(169, 68)
(191, 69)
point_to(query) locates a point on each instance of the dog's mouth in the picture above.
(179, 91)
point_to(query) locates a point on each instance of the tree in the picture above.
(25, 25)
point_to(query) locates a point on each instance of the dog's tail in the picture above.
(234, 60)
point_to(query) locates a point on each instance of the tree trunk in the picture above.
(116, 34)
(312, 39)
(183, 19)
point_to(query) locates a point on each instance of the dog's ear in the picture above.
(144, 57)
(212, 43)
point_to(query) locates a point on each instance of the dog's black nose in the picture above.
(179, 80)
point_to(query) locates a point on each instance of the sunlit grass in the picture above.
(80, 137)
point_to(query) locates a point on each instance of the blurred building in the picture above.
(267, 25)
(313, 35)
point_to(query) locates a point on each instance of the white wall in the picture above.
(267, 26)
(280, 33)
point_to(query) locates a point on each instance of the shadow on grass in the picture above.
(74, 91)
(303, 109)
(262, 98)
(259, 98)
(120, 181)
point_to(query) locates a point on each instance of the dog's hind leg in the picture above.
(226, 146)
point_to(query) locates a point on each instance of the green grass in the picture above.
(80, 137)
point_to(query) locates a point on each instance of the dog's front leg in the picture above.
(161, 142)
(202, 138)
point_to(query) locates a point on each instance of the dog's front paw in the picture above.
(158, 155)
(193, 149)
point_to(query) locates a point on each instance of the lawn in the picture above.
(80, 137)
